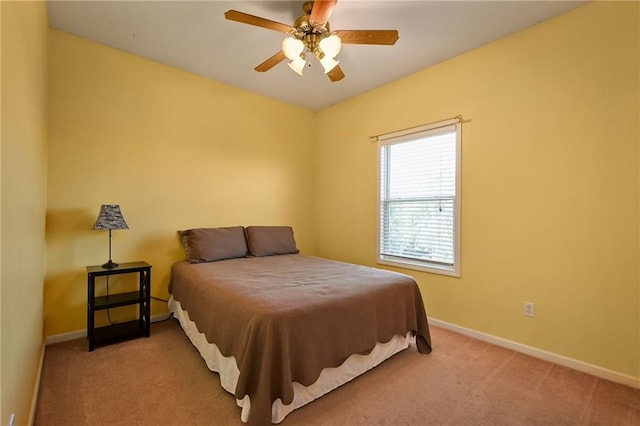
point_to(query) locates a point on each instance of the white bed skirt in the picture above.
(329, 379)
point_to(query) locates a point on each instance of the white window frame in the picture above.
(406, 136)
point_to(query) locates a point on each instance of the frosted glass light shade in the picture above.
(292, 48)
(328, 63)
(297, 65)
(331, 45)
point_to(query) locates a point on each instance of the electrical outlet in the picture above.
(529, 309)
(12, 420)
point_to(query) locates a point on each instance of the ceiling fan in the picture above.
(311, 33)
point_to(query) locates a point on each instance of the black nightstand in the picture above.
(141, 297)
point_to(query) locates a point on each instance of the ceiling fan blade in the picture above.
(322, 11)
(387, 37)
(245, 18)
(271, 62)
(336, 74)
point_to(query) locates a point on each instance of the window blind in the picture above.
(418, 197)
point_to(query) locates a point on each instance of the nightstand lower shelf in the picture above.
(117, 300)
(117, 332)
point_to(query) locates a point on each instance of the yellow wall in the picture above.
(1, 410)
(638, 124)
(22, 202)
(175, 150)
(549, 183)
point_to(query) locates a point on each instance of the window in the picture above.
(419, 215)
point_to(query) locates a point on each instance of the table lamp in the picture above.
(110, 217)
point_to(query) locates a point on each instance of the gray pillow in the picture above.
(270, 240)
(210, 244)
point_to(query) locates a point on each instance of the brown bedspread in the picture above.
(285, 318)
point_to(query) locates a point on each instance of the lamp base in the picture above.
(110, 264)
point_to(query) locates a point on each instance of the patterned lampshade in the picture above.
(110, 217)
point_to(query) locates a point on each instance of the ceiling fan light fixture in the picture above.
(297, 64)
(331, 45)
(292, 48)
(311, 33)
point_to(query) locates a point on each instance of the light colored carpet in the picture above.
(163, 381)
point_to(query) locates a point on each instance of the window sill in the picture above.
(452, 272)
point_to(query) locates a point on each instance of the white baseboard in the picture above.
(36, 388)
(575, 364)
(65, 337)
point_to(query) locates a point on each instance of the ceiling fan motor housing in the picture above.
(309, 33)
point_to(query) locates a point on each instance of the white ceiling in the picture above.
(195, 36)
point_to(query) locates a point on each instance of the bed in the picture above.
(282, 328)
